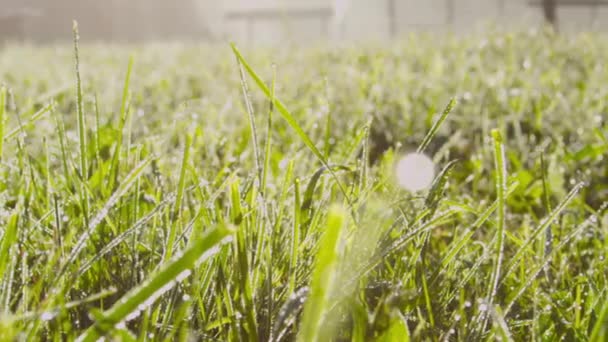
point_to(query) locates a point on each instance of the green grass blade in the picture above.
(2, 119)
(501, 186)
(144, 295)
(82, 129)
(600, 329)
(323, 279)
(289, 118)
(534, 272)
(177, 208)
(121, 126)
(267, 148)
(431, 134)
(279, 106)
(397, 330)
(251, 117)
(8, 240)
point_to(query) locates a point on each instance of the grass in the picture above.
(171, 192)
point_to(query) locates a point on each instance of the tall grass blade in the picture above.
(251, 116)
(289, 118)
(501, 186)
(82, 129)
(177, 208)
(433, 131)
(2, 119)
(267, 151)
(279, 106)
(323, 280)
(121, 126)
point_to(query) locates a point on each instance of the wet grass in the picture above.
(172, 192)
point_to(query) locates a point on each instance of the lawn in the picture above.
(218, 193)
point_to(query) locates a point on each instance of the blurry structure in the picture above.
(278, 21)
(550, 11)
(596, 13)
(110, 20)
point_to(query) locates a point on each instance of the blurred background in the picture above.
(277, 21)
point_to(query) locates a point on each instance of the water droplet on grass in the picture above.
(47, 316)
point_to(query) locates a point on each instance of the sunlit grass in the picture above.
(122, 166)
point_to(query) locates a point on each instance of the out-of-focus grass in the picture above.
(107, 183)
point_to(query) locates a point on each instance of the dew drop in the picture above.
(47, 316)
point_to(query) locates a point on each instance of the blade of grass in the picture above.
(483, 217)
(82, 130)
(600, 329)
(267, 155)
(324, 275)
(501, 186)
(144, 295)
(121, 126)
(177, 208)
(290, 119)
(429, 136)
(8, 240)
(2, 119)
(35, 117)
(251, 116)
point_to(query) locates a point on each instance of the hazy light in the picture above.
(415, 172)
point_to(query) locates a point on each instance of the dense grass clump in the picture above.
(167, 192)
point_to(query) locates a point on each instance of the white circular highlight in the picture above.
(415, 172)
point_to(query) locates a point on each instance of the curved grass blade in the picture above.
(146, 294)
(289, 118)
(324, 276)
(279, 105)
(310, 188)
